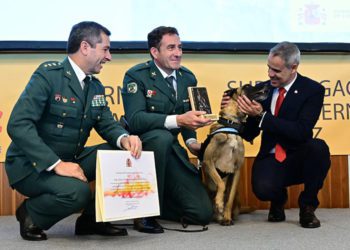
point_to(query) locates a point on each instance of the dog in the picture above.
(223, 154)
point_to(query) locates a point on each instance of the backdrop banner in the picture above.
(217, 72)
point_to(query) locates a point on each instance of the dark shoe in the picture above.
(276, 213)
(148, 225)
(28, 230)
(86, 225)
(307, 217)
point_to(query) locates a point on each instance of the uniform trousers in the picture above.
(307, 165)
(52, 197)
(181, 192)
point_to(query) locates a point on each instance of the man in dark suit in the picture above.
(288, 153)
(157, 108)
(49, 126)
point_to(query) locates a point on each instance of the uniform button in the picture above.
(98, 117)
(81, 130)
(79, 144)
(64, 114)
(34, 164)
(85, 116)
(75, 156)
(152, 107)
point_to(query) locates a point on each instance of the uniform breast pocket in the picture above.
(62, 117)
(155, 106)
(187, 107)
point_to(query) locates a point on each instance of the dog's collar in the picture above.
(230, 124)
(225, 130)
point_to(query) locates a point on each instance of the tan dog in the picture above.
(224, 155)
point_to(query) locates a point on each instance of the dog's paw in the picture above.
(226, 223)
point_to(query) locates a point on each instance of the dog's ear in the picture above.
(231, 92)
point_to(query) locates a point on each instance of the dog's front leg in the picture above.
(228, 220)
(220, 192)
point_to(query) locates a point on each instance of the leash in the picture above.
(183, 223)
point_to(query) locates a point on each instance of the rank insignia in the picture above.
(57, 97)
(68, 72)
(132, 87)
(98, 101)
(153, 73)
(150, 93)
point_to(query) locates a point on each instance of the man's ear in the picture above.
(84, 47)
(294, 68)
(154, 52)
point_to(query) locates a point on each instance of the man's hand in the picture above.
(225, 100)
(194, 148)
(251, 108)
(133, 144)
(193, 120)
(70, 169)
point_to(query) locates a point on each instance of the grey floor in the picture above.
(251, 231)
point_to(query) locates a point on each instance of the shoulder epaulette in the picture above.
(50, 65)
(186, 70)
(140, 66)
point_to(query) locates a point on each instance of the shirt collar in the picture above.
(164, 74)
(77, 70)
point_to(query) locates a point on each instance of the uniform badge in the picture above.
(98, 101)
(132, 87)
(57, 97)
(153, 73)
(64, 99)
(72, 99)
(68, 72)
(150, 93)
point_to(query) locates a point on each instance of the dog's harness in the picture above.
(226, 130)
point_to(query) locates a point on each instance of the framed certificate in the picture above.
(200, 101)
(126, 187)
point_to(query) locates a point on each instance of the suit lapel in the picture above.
(290, 97)
(160, 83)
(74, 83)
(181, 86)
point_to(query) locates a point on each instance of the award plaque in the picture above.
(200, 101)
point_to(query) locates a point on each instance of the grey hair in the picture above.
(289, 53)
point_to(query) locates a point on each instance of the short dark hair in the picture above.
(156, 35)
(85, 31)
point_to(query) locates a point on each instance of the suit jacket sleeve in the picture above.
(24, 117)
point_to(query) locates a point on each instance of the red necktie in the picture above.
(280, 153)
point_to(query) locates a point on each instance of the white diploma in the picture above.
(126, 187)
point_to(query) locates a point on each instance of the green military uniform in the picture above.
(148, 100)
(52, 120)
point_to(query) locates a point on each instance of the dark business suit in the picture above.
(52, 120)
(148, 100)
(308, 159)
